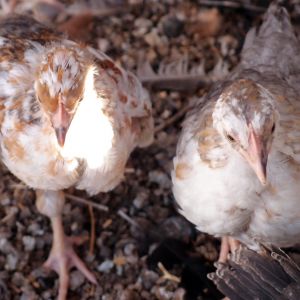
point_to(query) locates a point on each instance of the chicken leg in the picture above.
(62, 256)
(228, 244)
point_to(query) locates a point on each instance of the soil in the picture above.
(143, 226)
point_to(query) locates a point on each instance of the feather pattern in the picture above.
(213, 184)
(113, 113)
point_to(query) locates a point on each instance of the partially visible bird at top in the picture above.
(69, 116)
(237, 168)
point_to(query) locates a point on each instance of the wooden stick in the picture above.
(87, 202)
(93, 230)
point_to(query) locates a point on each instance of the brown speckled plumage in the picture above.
(69, 116)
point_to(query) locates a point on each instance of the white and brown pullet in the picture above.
(237, 167)
(69, 116)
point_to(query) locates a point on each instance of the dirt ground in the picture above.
(141, 248)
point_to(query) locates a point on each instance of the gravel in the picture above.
(158, 32)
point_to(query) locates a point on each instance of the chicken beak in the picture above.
(61, 120)
(257, 156)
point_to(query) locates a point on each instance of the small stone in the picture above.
(145, 295)
(11, 212)
(140, 199)
(172, 27)
(28, 295)
(160, 178)
(106, 266)
(152, 38)
(74, 226)
(166, 114)
(162, 293)
(176, 227)
(129, 295)
(5, 245)
(107, 297)
(142, 27)
(35, 229)
(103, 45)
(105, 251)
(76, 280)
(132, 259)
(40, 243)
(179, 294)
(5, 201)
(18, 279)
(47, 295)
(120, 270)
(28, 242)
(141, 22)
(148, 279)
(46, 12)
(89, 257)
(11, 262)
(129, 249)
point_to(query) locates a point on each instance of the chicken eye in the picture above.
(273, 128)
(230, 138)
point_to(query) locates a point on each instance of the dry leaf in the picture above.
(78, 26)
(120, 260)
(107, 223)
(208, 23)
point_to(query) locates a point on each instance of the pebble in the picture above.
(46, 12)
(142, 27)
(172, 27)
(105, 266)
(11, 262)
(152, 38)
(74, 226)
(35, 229)
(107, 297)
(103, 44)
(179, 294)
(5, 245)
(129, 295)
(5, 201)
(148, 279)
(29, 295)
(104, 251)
(29, 242)
(129, 249)
(76, 280)
(120, 270)
(140, 199)
(160, 178)
(47, 295)
(176, 227)
(162, 293)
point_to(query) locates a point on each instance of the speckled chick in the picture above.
(69, 116)
(237, 168)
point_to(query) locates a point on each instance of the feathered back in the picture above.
(273, 47)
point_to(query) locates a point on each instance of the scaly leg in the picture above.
(62, 256)
(228, 244)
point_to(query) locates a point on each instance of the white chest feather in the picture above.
(231, 201)
(93, 157)
(92, 138)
